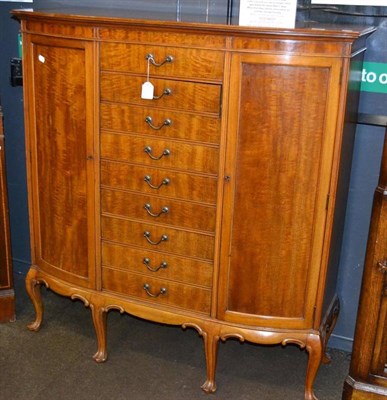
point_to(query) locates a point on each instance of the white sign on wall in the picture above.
(353, 2)
(268, 13)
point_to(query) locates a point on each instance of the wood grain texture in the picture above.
(179, 213)
(179, 269)
(162, 37)
(279, 167)
(196, 127)
(188, 96)
(177, 295)
(187, 62)
(181, 156)
(62, 156)
(61, 145)
(182, 185)
(180, 242)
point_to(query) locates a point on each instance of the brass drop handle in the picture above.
(150, 58)
(166, 92)
(148, 208)
(165, 153)
(147, 261)
(147, 236)
(148, 180)
(149, 121)
(162, 291)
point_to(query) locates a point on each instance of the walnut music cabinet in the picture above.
(7, 293)
(215, 205)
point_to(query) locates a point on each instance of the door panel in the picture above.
(276, 198)
(61, 155)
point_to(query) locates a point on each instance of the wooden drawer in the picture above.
(190, 244)
(186, 63)
(168, 153)
(176, 294)
(166, 211)
(157, 264)
(177, 95)
(187, 126)
(181, 185)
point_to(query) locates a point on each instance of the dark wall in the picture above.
(364, 177)
(12, 102)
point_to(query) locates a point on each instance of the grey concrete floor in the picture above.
(146, 361)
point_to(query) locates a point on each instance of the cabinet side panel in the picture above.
(60, 106)
(280, 141)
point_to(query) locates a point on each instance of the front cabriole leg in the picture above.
(33, 289)
(314, 347)
(99, 313)
(99, 319)
(211, 339)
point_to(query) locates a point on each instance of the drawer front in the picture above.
(157, 264)
(180, 185)
(175, 294)
(161, 36)
(166, 123)
(160, 153)
(177, 95)
(186, 62)
(154, 209)
(155, 237)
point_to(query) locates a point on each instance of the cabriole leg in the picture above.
(33, 290)
(211, 342)
(99, 319)
(315, 349)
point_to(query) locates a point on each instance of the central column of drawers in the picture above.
(159, 170)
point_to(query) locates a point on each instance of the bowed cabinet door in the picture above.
(280, 145)
(59, 92)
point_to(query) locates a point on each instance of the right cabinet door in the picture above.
(282, 120)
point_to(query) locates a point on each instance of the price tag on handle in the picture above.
(147, 88)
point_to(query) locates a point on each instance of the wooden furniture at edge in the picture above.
(7, 294)
(367, 379)
(218, 204)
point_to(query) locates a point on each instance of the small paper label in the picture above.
(268, 13)
(147, 91)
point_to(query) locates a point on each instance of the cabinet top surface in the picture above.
(101, 16)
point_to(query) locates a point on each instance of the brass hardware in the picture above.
(164, 210)
(146, 261)
(150, 57)
(149, 121)
(382, 266)
(166, 92)
(163, 290)
(148, 179)
(147, 236)
(165, 153)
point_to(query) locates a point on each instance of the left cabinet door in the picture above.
(59, 94)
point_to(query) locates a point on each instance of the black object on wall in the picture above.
(12, 102)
